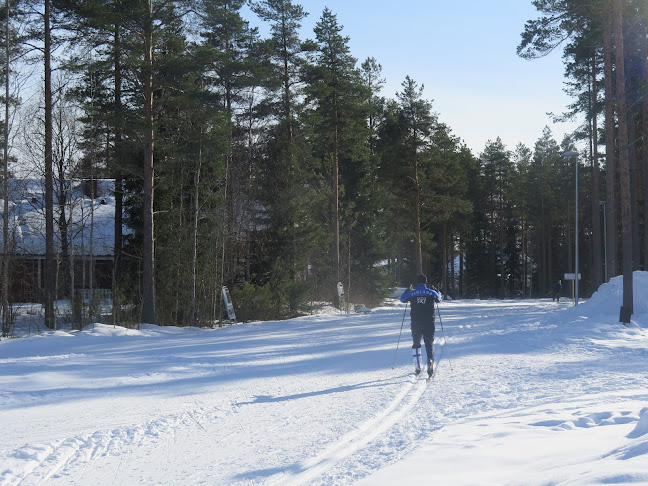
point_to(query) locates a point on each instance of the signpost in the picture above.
(574, 154)
(227, 300)
(572, 277)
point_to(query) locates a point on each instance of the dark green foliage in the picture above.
(337, 115)
(253, 303)
(280, 170)
(418, 158)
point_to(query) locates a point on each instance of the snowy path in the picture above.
(315, 401)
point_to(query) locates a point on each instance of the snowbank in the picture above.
(609, 297)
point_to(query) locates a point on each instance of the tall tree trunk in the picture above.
(6, 318)
(500, 229)
(444, 273)
(610, 148)
(50, 263)
(644, 152)
(461, 265)
(148, 276)
(194, 256)
(119, 182)
(286, 91)
(417, 211)
(336, 196)
(229, 238)
(452, 265)
(492, 291)
(348, 289)
(548, 245)
(91, 267)
(634, 189)
(624, 166)
(417, 222)
(62, 196)
(525, 252)
(596, 208)
(542, 248)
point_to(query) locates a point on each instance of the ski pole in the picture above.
(444, 337)
(399, 335)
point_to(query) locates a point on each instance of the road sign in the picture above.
(572, 276)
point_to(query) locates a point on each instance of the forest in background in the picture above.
(275, 166)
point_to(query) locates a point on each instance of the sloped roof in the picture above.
(91, 222)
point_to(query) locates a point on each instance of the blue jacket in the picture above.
(422, 301)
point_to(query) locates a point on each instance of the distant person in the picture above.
(557, 290)
(422, 301)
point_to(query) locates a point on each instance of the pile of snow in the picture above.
(609, 297)
(642, 425)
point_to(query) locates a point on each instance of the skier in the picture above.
(422, 301)
(557, 289)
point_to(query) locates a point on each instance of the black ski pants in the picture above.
(424, 329)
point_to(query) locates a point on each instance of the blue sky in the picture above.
(464, 53)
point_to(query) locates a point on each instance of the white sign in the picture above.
(227, 299)
(571, 276)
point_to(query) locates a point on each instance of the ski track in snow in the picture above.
(50, 462)
(355, 440)
(310, 401)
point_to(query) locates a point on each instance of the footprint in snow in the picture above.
(601, 418)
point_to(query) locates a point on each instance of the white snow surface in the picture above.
(527, 392)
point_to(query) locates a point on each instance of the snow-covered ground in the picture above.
(526, 392)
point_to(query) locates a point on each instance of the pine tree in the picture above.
(610, 145)
(151, 26)
(583, 58)
(624, 162)
(338, 98)
(478, 258)
(101, 46)
(191, 149)
(6, 321)
(497, 170)
(446, 202)
(11, 48)
(522, 157)
(545, 176)
(289, 187)
(158, 24)
(230, 48)
(601, 23)
(285, 49)
(40, 29)
(371, 73)
(373, 245)
(417, 122)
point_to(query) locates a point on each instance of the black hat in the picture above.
(422, 279)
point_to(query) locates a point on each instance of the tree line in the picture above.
(276, 167)
(606, 61)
